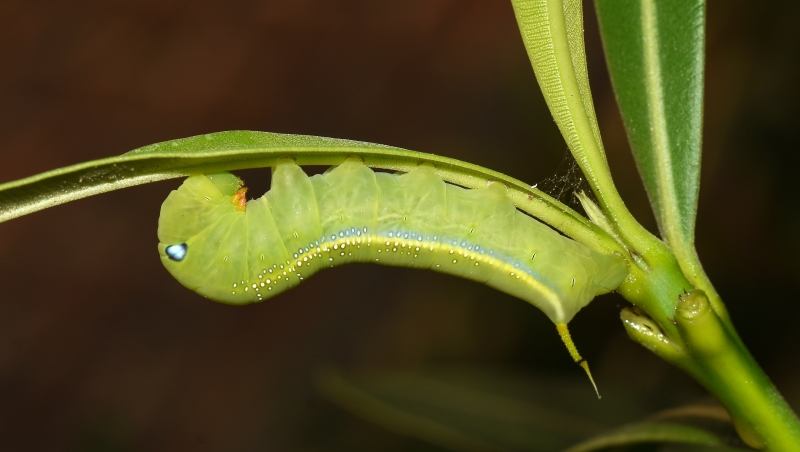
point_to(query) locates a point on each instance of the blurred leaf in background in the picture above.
(91, 326)
(471, 409)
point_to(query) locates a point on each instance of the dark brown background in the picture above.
(101, 350)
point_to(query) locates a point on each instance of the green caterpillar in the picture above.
(235, 251)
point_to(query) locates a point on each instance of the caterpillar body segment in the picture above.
(347, 199)
(418, 204)
(352, 214)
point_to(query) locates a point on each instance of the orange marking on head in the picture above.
(239, 199)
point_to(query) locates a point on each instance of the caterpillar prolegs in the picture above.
(235, 251)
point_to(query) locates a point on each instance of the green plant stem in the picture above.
(725, 367)
(700, 338)
(711, 352)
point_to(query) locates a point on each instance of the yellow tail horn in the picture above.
(563, 331)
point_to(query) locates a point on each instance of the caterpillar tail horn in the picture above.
(563, 331)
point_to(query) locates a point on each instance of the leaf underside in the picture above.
(552, 32)
(225, 151)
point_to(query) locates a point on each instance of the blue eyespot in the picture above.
(176, 253)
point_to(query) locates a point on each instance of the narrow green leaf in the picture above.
(655, 54)
(234, 150)
(552, 31)
(698, 425)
